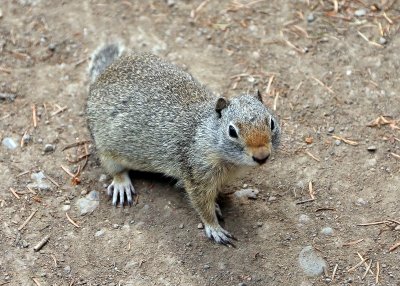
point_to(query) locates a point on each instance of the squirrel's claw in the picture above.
(219, 235)
(118, 191)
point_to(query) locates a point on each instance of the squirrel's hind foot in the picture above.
(120, 187)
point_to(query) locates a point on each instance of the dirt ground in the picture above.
(328, 68)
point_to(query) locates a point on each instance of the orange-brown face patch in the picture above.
(255, 136)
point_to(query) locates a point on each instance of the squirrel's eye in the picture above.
(232, 132)
(272, 124)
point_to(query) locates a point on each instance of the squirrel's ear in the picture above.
(222, 103)
(259, 96)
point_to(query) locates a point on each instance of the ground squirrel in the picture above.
(149, 115)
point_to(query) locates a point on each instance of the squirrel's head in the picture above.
(248, 130)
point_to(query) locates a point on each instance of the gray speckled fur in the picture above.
(147, 114)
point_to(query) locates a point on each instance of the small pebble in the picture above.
(327, 231)
(331, 129)
(259, 224)
(49, 148)
(272, 199)
(361, 202)
(247, 193)
(382, 40)
(206, 266)
(397, 227)
(26, 139)
(67, 269)
(371, 148)
(84, 193)
(103, 178)
(360, 12)
(170, 2)
(303, 218)
(9, 143)
(52, 47)
(310, 18)
(200, 226)
(338, 142)
(99, 232)
(181, 226)
(115, 226)
(242, 284)
(89, 203)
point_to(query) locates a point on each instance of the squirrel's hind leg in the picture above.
(121, 185)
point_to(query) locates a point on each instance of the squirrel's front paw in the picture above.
(118, 189)
(219, 235)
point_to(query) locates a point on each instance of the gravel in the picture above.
(39, 182)
(360, 12)
(310, 18)
(328, 231)
(372, 148)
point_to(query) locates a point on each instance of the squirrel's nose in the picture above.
(261, 160)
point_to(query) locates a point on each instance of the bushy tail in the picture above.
(103, 57)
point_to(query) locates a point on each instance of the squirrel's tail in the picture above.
(103, 57)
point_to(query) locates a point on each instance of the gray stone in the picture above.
(310, 18)
(206, 266)
(103, 178)
(311, 262)
(338, 142)
(200, 226)
(99, 233)
(360, 12)
(89, 203)
(247, 193)
(303, 218)
(327, 231)
(39, 182)
(67, 269)
(397, 227)
(361, 202)
(331, 129)
(272, 199)
(9, 143)
(26, 139)
(49, 148)
(372, 148)
(181, 226)
(382, 41)
(7, 96)
(170, 2)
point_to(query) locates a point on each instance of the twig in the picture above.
(36, 281)
(60, 109)
(23, 173)
(305, 201)
(34, 115)
(267, 90)
(52, 180)
(358, 264)
(395, 246)
(394, 221)
(67, 171)
(372, 223)
(324, 85)
(347, 141)
(334, 272)
(366, 270)
(311, 191)
(27, 220)
(275, 101)
(325, 209)
(14, 193)
(71, 221)
(312, 156)
(75, 144)
(377, 273)
(54, 259)
(365, 263)
(395, 155)
(353, 242)
(41, 243)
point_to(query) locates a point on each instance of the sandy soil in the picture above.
(327, 73)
